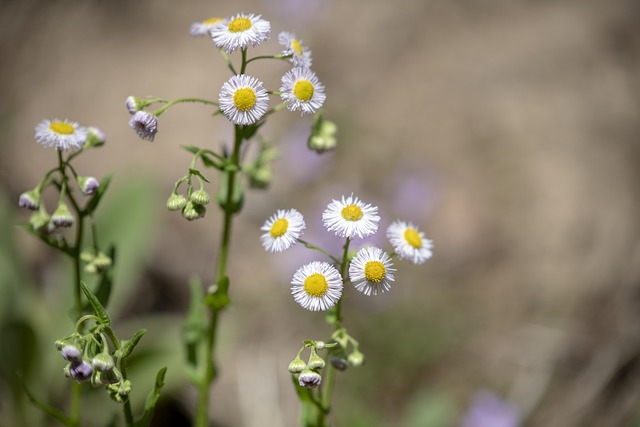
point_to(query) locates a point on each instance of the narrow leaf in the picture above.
(98, 309)
(152, 399)
(129, 345)
(47, 409)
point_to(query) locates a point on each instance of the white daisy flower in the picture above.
(282, 230)
(370, 271)
(61, 134)
(243, 99)
(351, 217)
(302, 90)
(409, 242)
(317, 286)
(240, 31)
(204, 28)
(145, 124)
(300, 54)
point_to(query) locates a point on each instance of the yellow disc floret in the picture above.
(413, 238)
(316, 285)
(351, 213)
(244, 98)
(62, 128)
(279, 227)
(239, 24)
(295, 45)
(374, 271)
(303, 90)
(211, 21)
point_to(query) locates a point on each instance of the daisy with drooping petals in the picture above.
(300, 54)
(145, 124)
(302, 90)
(409, 242)
(351, 217)
(204, 28)
(243, 99)
(240, 31)
(317, 286)
(282, 230)
(370, 271)
(61, 134)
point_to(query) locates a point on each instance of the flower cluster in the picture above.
(63, 135)
(318, 286)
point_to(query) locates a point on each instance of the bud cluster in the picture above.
(193, 205)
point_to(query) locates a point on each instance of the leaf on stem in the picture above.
(129, 345)
(98, 309)
(152, 399)
(49, 410)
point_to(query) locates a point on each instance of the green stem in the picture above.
(221, 275)
(170, 104)
(284, 58)
(318, 248)
(74, 418)
(126, 407)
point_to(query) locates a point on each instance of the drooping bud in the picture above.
(81, 371)
(62, 216)
(339, 362)
(145, 124)
(322, 136)
(102, 261)
(71, 353)
(88, 185)
(119, 391)
(30, 200)
(176, 202)
(309, 379)
(356, 358)
(297, 365)
(95, 138)
(193, 211)
(40, 220)
(200, 197)
(102, 362)
(133, 104)
(315, 362)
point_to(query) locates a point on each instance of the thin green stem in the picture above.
(319, 249)
(244, 61)
(221, 282)
(126, 405)
(281, 57)
(170, 104)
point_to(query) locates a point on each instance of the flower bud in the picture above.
(102, 260)
(30, 200)
(356, 358)
(297, 365)
(62, 216)
(320, 345)
(339, 362)
(322, 136)
(133, 104)
(110, 377)
(176, 202)
(40, 219)
(145, 124)
(119, 391)
(80, 371)
(200, 197)
(71, 353)
(309, 379)
(193, 211)
(102, 362)
(88, 185)
(95, 138)
(315, 362)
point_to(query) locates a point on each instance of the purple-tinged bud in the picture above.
(88, 185)
(30, 200)
(145, 124)
(95, 138)
(133, 104)
(71, 353)
(80, 371)
(62, 216)
(309, 379)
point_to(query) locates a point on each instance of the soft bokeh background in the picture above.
(507, 130)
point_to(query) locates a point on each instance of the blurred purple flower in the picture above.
(489, 410)
(298, 11)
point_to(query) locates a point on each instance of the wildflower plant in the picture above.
(321, 285)
(245, 101)
(93, 352)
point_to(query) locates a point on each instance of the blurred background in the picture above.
(506, 130)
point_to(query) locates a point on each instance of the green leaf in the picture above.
(49, 410)
(196, 172)
(237, 198)
(98, 309)
(129, 345)
(152, 400)
(206, 160)
(93, 203)
(250, 130)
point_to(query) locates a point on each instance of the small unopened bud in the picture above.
(200, 197)
(80, 371)
(62, 216)
(95, 138)
(320, 345)
(193, 211)
(40, 219)
(322, 136)
(71, 353)
(102, 362)
(260, 177)
(30, 200)
(120, 390)
(356, 358)
(176, 202)
(309, 379)
(315, 362)
(110, 377)
(339, 362)
(145, 124)
(297, 365)
(102, 260)
(133, 104)
(88, 185)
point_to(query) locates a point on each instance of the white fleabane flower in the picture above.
(300, 54)
(145, 124)
(302, 90)
(370, 271)
(351, 217)
(204, 28)
(243, 99)
(240, 31)
(282, 230)
(316, 286)
(61, 134)
(409, 242)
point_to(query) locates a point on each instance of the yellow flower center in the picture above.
(303, 90)
(295, 45)
(316, 285)
(413, 238)
(211, 21)
(244, 98)
(279, 227)
(351, 213)
(62, 128)
(374, 271)
(239, 24)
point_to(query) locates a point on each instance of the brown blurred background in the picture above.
(507, 130)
